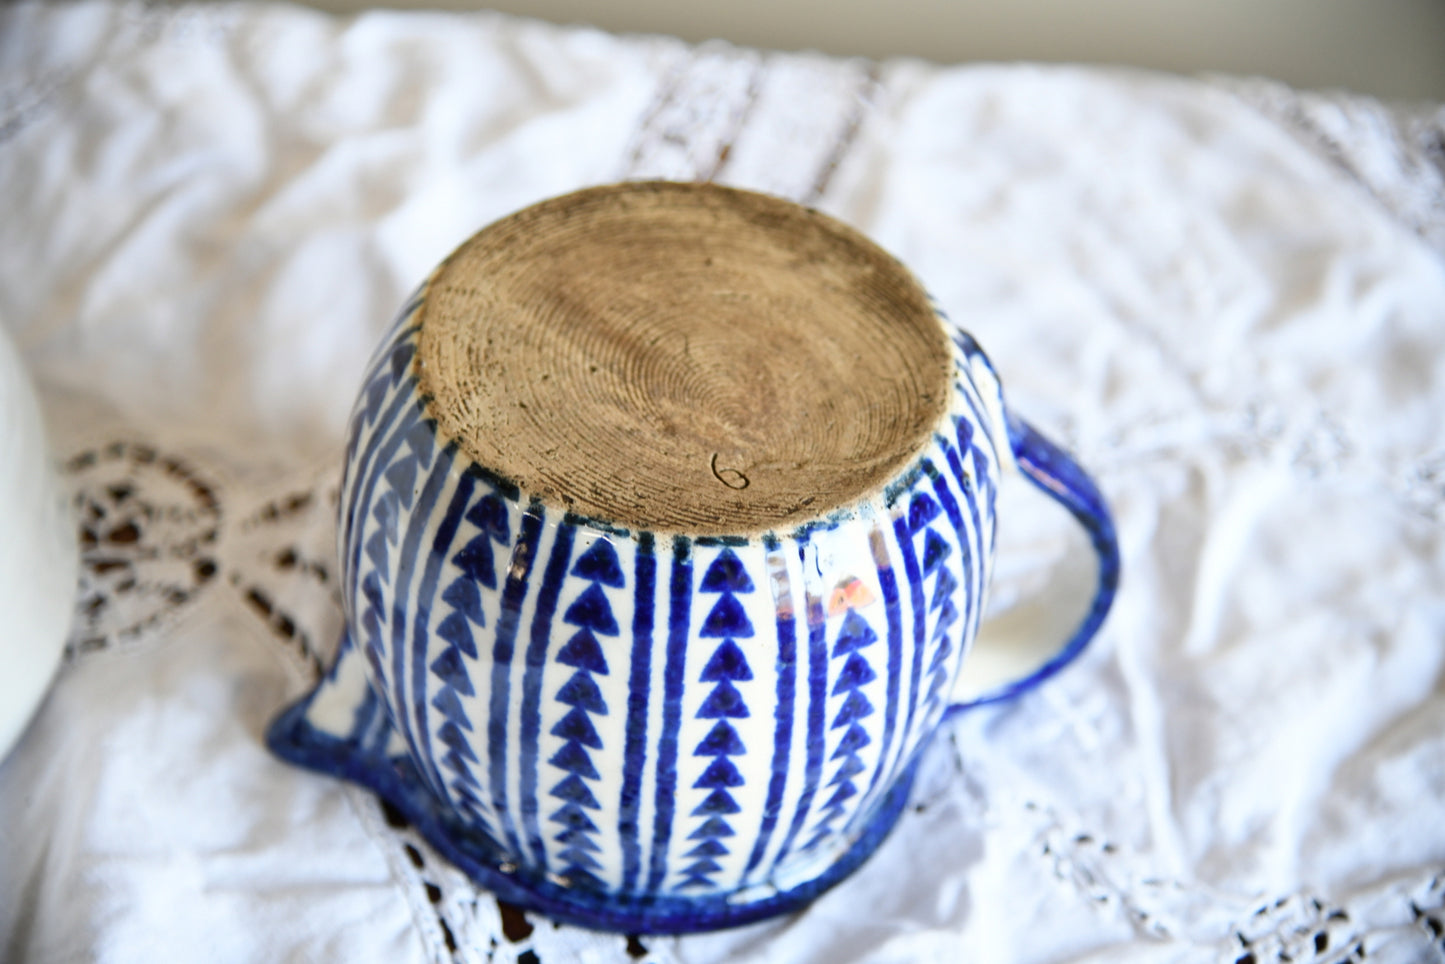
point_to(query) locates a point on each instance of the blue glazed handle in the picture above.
(1052, 470)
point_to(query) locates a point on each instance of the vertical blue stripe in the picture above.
(405, 567)
(379, 428)
(531, 720)
(972, 601)
(513, 593)
(403, 387)
(380, 447)
(980, 423)
(969, 391)
(679, 618)
(639, 685)
(888, 582)
(817, 706)
(787, 683)
(425, 597)
(381, 454)
(970, 496)
(914, 578)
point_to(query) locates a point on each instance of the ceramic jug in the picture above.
(666, 526)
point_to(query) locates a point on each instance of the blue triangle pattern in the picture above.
(698, 872)
(599, 565)
(935, 551)
(941, 606)
(854, 635)
(465, 779)
(376, 551)
(387, 514)
(850, 767)
(454, 761)
(722, 740)
(402, 477)
(577, 725)
(712, 827)
(845, 791)
(375, 394)
(370, 649)
(400, 356)
(943, 588)
(582, 651)
(708, 848)
(476, 562)
(980, 469)
(574, 789)
(576, 839)
(726, 574)
(940, 654)
(817, 837)
(449, 667)
(723, 701)
(591, 612)
(946, 618)
(450, 705)
(456, 630)
(856, 672)
(855, 707)
(463, 596)
(574, 817)
(490, 515)
(717, 802)
(421, 439)
(855, 739)
(694, 882)
(465, 786)
(963, 433)
(371, 627)
(581, 691)
(728, 621)
(727, 618)
(375, 659)
(371, 591)
(727, 663)
(453, 737)
(579, 863)
(721, 772)
(574, 759)
(921, 511)
(464, 794)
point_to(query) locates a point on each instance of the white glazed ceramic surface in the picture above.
(38, 556)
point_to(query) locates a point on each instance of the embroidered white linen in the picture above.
(211, 213)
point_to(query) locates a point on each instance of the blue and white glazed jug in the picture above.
(630, 697)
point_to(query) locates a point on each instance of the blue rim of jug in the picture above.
(394, 779)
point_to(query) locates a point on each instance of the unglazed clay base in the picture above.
(682, 358)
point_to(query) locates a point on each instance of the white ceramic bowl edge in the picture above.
(38, 553)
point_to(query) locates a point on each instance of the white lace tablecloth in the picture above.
(1227, 297)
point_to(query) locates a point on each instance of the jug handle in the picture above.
(1051, 469)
